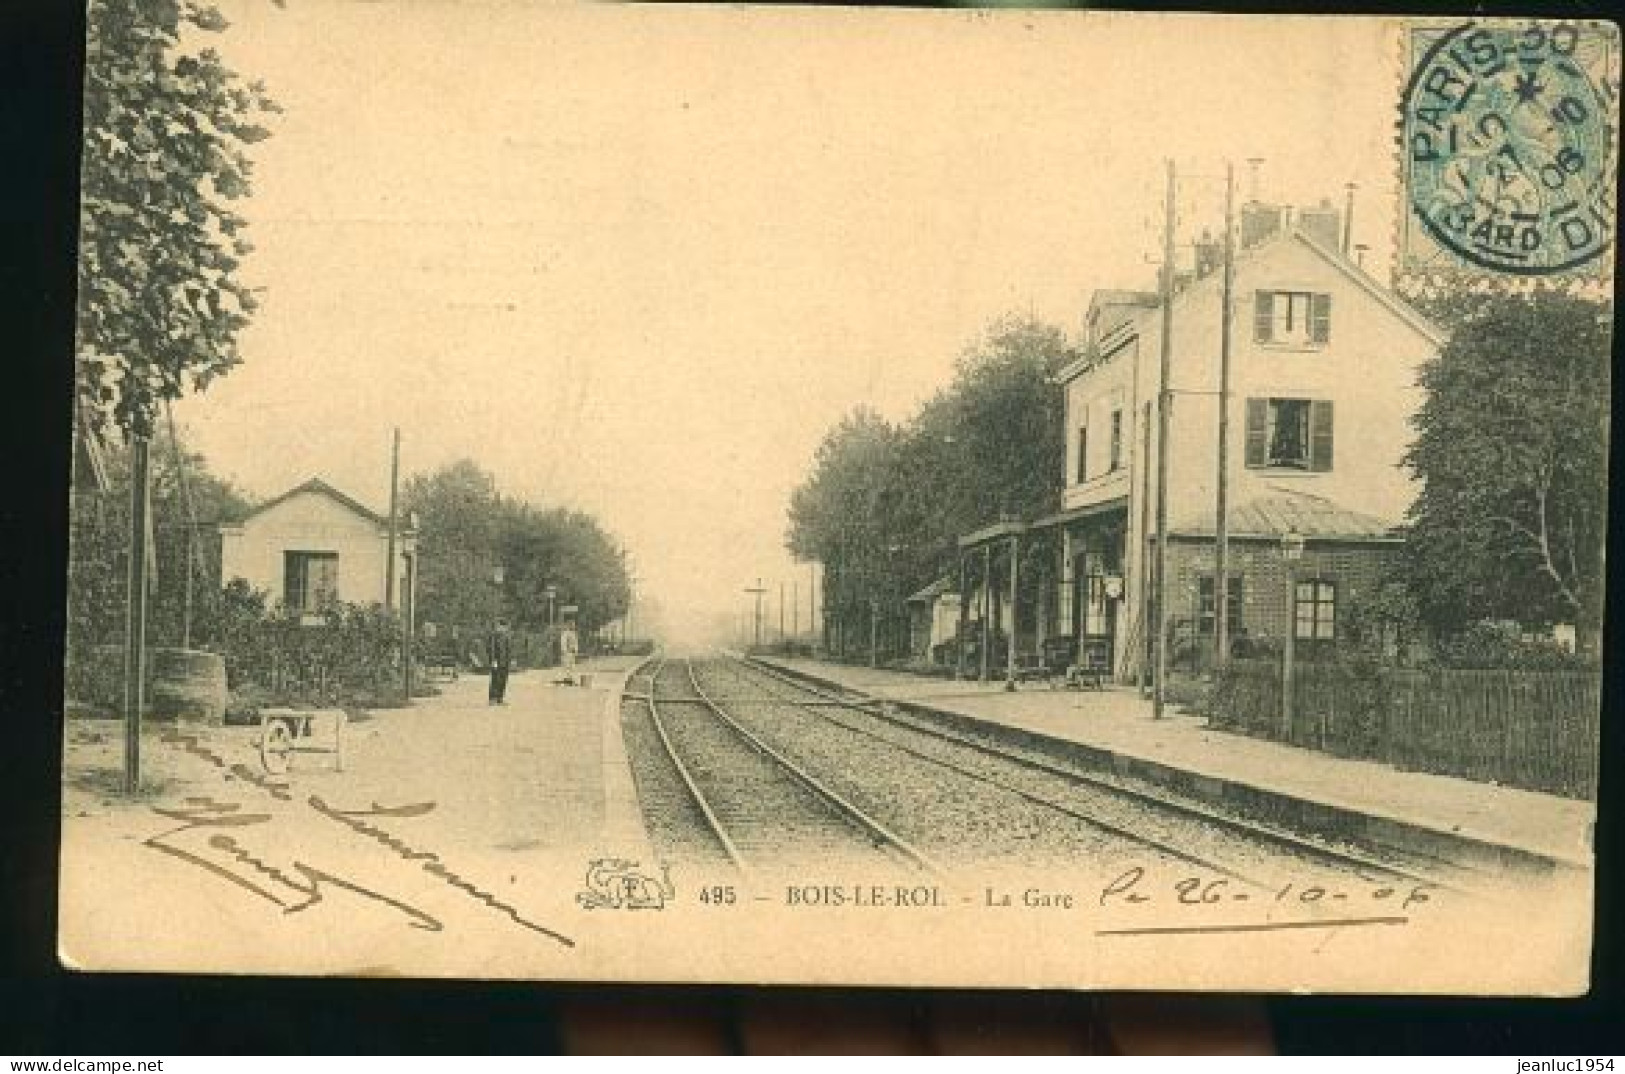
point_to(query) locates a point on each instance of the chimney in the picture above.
(1253, 166)
(1322, 223)
(1259, 222)
(1209, 254)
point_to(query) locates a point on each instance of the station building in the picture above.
(314, 544)
(1324, 381)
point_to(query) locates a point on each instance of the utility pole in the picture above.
(1221, 512)
(1165, 399)
(408, 623)
(135, 617)
(781, 614)
(1015, 623)
(960, 629)
(394, 489)
(1348, 216)
(1144, 676)
(795, 608)
(191, 526)
(628, 629)
(986, 611)
(757, 591)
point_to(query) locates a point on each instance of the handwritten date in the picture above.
(1133, 889)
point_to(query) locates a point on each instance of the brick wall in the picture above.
(1355, 567)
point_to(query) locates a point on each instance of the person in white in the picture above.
(569, 649)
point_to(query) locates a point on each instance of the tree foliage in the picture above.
(885, 504)
(468, 531)
(457, 508)
(167, 126)
(1512, 452)
(189, 504)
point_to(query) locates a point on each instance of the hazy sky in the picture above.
(637, 259)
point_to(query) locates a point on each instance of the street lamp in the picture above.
(1292, 545)
(551, 592)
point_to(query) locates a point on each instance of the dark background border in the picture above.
(45, 1010)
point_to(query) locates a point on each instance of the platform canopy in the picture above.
(932, 591)
(1281, 511)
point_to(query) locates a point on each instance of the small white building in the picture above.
(313, 545)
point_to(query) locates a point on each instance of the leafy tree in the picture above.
(189, 504)
(166, 129)
(847, 513)
(457, 508)
(567, 550)
(1512, 454)
(885, 505)
(468, 531)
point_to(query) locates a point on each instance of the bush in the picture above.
(1486, 646)
(349, 658)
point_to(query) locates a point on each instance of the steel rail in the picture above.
(874, 707)
(1160, 846)
(844, 809)
(711, 819)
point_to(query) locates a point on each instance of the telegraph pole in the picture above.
(394, 489)
(1221, 513)
(757, 591)
(135, 618)
(191, 526)
(1165, 399)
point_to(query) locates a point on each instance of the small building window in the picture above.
(1083, 454)
(1292, 318)
(1314, 611)
(1289, 434)
(1116, 457)
(310, 580)
(1206, 596)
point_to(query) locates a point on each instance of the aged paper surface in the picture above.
(754, 628)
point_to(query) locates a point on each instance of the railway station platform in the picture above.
(1364, 802)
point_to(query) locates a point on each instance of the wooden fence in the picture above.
(1532, 729)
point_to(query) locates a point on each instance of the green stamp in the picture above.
(1509, 137)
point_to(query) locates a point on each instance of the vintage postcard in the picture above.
(950, 498)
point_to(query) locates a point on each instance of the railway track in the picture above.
(1077, 794)
(758, 808)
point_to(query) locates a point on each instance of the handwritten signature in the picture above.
(301, 885)
(431, 861)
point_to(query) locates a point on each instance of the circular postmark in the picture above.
(1507, 145)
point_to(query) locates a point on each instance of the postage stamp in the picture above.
(1508, 147)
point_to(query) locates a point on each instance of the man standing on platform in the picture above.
(499, 657)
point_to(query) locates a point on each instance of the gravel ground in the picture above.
(773, 818)
(1316, 852)
(955, 820)
(839, 734)
(676, 826)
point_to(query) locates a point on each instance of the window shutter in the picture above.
(1256, 448)
(1320, 319)
(1263, 315)
(1083, 453)
(1320, 435)
(293, 581)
